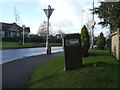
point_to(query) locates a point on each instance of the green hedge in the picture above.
(32, 39)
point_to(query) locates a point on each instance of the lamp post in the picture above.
(81, 17)
(23, 27)
(93, 23)
(48, 13)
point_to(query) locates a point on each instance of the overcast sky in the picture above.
(65, 17)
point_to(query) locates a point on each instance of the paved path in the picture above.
(17, 73)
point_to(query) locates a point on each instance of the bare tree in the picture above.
(42, 31)
(16, 15)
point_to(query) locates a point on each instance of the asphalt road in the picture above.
(13, 54)
(15, 74)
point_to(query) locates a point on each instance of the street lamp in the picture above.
(23, 27)
(82, 12)
(81, 17)
(48, 13)
(93, 23)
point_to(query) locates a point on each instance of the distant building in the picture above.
(12, 30)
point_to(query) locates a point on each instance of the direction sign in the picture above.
(48, 12)
(93, 22)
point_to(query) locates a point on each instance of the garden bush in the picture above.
(85, 41)
(101, 41)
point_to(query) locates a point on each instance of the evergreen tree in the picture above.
(101, 41)
(85, 41)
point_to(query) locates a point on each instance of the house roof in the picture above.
(7, 26)
(27, 29)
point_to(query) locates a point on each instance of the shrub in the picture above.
(85, 41)
(101, 41)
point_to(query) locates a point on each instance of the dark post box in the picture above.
(72, 52)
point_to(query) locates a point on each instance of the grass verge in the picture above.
(15, 45)
(51, 74)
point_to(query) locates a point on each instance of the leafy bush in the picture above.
(85, 41)
(101, 41)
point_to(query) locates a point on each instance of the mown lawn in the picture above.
(15, 45)
(51, 74)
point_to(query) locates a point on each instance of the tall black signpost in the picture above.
(48, 13)
(72, 52)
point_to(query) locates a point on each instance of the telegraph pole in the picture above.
(81, 17)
